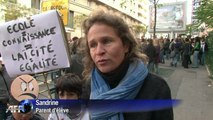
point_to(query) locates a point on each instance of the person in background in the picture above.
(76, 64)
(143, 45)
(175, 52)
(196, 52)
(116, 69)
(73, 45)
(203, 50)
(5, 81)
(186, 53)
(151, 52)
(157, 55)
(162, 51)
(166, 48)
(69, 86)
(192, 41)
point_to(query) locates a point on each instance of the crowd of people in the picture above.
(108, 63)
(186, 51)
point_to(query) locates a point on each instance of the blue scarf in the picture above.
(128, 88)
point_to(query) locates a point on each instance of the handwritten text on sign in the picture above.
(34, 45)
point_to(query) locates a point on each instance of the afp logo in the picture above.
(24, 106)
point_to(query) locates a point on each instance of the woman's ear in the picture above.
(126, 48)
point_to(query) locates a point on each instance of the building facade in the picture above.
(134, 12)
(195, 5)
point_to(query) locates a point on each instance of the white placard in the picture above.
(34, 45)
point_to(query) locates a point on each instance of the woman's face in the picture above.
(106, 48)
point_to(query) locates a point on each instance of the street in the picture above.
(194, 88)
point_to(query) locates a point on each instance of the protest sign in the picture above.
(34, 45)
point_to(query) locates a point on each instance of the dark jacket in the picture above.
(150, 51)
(5, 81)
(187, 48)
(154, 87)
(76, 65)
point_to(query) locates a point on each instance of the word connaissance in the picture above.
(25, 37)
